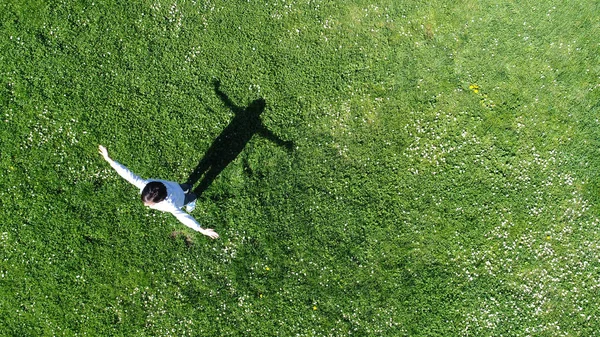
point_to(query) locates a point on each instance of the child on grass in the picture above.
(163, 195)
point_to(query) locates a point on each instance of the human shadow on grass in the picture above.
(229, 144)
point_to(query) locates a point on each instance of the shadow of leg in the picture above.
(202, 167)
(207, 180)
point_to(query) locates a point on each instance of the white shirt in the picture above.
(172, 203)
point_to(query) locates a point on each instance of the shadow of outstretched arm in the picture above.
(269, 135)
(225, 99)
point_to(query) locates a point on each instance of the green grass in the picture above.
(445, 179)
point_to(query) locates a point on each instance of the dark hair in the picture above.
(154, 191)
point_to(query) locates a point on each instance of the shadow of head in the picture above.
(257, 106)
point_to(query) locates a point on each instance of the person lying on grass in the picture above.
(163, 195)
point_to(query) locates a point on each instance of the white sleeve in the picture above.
(187, 220)
(128, 175)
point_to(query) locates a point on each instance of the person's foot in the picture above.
(191, 206)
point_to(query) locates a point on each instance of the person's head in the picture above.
(153, 193)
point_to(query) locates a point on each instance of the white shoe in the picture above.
(191, 206)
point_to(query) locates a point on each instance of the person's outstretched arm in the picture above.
(189, 221)
(122, 170)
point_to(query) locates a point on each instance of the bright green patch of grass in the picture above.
(444, 179)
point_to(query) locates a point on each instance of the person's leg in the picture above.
(190, 202)
(185, 187)
(189, 197)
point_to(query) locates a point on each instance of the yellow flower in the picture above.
(261, 295)
(314, 307)
(267, 268)
(475, 88)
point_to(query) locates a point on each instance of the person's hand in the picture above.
(210, 233)
(103, 152)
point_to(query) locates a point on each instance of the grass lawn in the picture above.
(423, 168)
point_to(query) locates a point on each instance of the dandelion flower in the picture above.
(475, 88)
